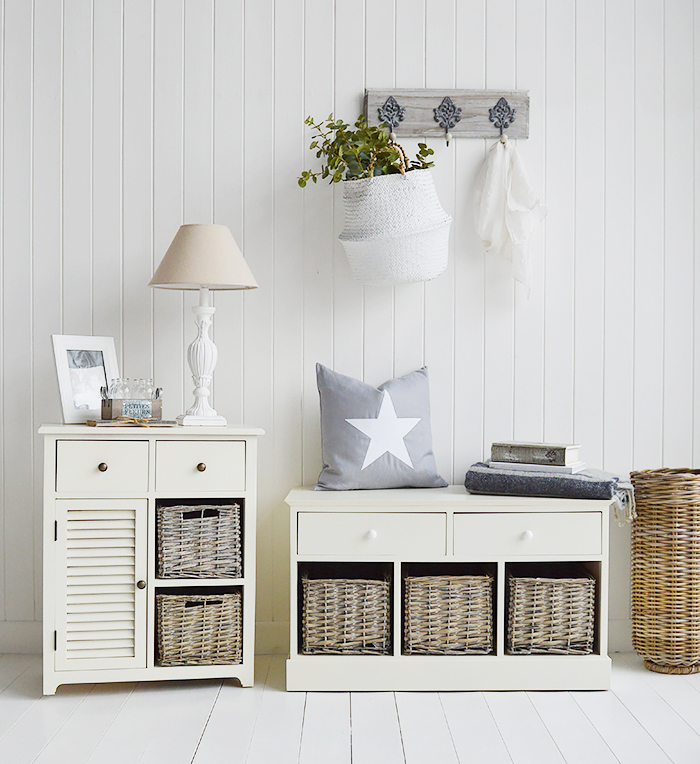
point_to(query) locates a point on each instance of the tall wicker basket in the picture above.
(666, 570)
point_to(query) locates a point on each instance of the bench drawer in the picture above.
(416, 535)
(521, 534)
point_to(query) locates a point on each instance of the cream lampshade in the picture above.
(203, 257)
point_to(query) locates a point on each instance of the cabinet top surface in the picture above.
(436, 499)
(84, 431)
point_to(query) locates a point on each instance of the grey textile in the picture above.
(345, 448)
(587, 484)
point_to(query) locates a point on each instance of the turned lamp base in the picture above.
(202, 356)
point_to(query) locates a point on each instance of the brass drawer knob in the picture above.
(141, 584)
(102, 467)
(201, 466)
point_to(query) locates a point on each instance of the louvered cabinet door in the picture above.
(100, 611)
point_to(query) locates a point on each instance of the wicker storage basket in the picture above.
(201, 541)
(396, 230)
(198, 630)
(551, 616)
(448, 615)
(343, 616)
(666, 570)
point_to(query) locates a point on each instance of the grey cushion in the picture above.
(376, 437)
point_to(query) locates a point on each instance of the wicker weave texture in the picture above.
(199, 630)
(345, 616)
(396, 230)
(202, 541)
(551, 616)
(448, 615)
(666, 570)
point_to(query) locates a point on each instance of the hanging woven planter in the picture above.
(396, 230)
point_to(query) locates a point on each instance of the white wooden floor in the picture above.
(645, 719)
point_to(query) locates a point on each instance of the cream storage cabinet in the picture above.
(103, 488)
(406, 535)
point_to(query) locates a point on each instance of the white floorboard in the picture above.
(680, 742)
(424, 729)
(376, 735)
(474, 732)
(645, 719)
(527, 739)
(326, 735)
(277, 734)
(576, 738)
(229, 729)
(79, 736)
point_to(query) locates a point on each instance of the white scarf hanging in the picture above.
(506, 208)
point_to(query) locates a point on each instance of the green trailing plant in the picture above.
(363, 152)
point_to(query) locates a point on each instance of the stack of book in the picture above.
(536, 457)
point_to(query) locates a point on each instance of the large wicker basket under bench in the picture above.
(437, 589)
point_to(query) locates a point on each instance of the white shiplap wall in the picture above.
(122, 119)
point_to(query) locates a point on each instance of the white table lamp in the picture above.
(203, 257)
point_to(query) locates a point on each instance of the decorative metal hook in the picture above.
(502, 115)
(447, 115)
(391, 114)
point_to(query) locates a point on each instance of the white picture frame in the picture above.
(83, 366)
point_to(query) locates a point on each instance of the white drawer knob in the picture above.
(527, 535)
(372, 534)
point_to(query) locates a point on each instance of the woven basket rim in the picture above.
(666, 471)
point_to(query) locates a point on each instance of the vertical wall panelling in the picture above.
(618, 330)
(439, 293)
(228, 197)
(168, 157)
(528, 359)
(589, 227)
(46, 242)
(679, 229)
(288, 292)
(317, 256)
(348, 303)
(138, 189)
(649, 221)
(107, 187)
(17, 419)
(499, 286)
(469, 256)
(696, 231)
(122, 119)
(619, 262)
(379, 300)
(619, 236)
(258, 173)
(559, 224)
(76, 166)
(3, 538)
(198, 147)
(409, 73)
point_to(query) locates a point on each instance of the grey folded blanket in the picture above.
(587, 484)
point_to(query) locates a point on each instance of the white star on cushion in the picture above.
(386, 433)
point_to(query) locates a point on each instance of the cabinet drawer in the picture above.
(96, 466)
(407, 534)
(200, 465)
(514, 534)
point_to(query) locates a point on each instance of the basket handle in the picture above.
(202, 604)
(198, 514)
